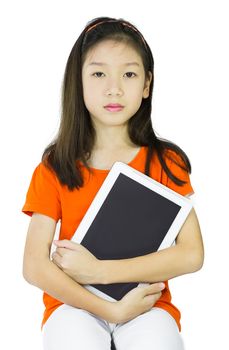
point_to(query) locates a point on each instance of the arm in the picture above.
(43, 273)
(185, 257)
(40, 271)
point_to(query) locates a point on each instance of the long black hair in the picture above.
(76, 135)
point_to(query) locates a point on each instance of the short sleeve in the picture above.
(43, 195)
(185, 189)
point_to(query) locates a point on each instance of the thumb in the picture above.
(65, 243)
(156, 287)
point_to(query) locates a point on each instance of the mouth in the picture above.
(114, 107)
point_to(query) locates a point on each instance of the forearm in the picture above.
(49, 278)
(159, 266)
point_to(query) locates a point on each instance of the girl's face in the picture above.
(113, 73)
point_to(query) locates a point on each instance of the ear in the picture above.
(147, 85)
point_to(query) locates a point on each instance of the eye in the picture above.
(96, 74)
(131, 73)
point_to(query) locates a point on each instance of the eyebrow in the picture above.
(105, 64)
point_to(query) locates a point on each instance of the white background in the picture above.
(189, 41)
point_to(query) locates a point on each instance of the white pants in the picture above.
(70, 328)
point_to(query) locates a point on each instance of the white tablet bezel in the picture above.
(117, 168)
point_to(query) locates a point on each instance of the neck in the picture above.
(112, 138)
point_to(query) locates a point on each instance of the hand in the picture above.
(138, 301)
(76, 261)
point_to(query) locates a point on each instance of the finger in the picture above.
(152, 298)
(65, 243)
(155, 287)
(56, 258)
(61, 251)
(55, 253)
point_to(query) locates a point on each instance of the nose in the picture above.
(114, 88)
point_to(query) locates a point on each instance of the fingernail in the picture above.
(162, 285)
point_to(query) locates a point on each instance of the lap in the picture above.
(72, 328)
(155, 329)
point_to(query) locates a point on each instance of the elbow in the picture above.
(32, 271)
(196, 261)
(28, 272)
(28, 278)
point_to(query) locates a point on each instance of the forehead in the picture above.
(109, 52)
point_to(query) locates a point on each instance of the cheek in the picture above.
(136, 94)
(136, 88)
(89, 93)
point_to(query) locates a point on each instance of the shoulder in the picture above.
(43, 195)
(174, 160)
(180, 170)
(44, 171)
(44, 179)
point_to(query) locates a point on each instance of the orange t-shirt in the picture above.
(46, 195)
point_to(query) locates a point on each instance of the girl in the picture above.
(106, 117)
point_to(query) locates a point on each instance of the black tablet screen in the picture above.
(132, 221)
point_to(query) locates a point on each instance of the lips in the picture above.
(114, 107)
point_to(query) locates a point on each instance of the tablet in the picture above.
(131, 215)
